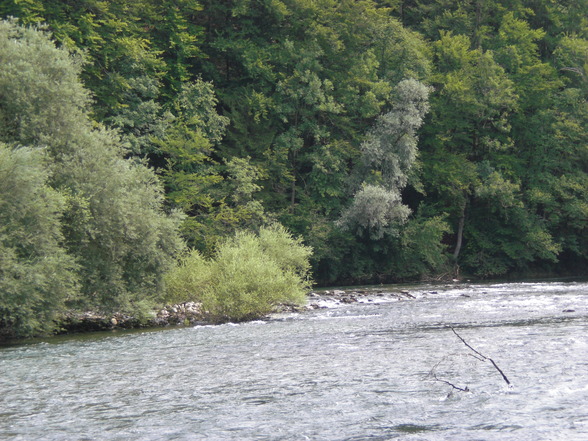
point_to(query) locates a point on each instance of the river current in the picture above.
(380, 369)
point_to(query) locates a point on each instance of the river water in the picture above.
(375, 370)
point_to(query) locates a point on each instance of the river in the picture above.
(374, 370)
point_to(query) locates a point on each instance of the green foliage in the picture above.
(387, 156)
(556, 176)
(300, 80)
(317, 131)
(248, 277)
(474, 102)
(571, 57)
(511, 236)
(141, 119)
(421, 251)
(187, 281)
(125, 42)
(190, 174)
(288, 252)
(42, 98)
(249, 282)
(124, 242)
(374, 210)
(390, 148)
(113, 222)
(218, 199)
(485, 152)
(37, 276)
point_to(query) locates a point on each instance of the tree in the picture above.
(571, 57)
(113, 221)
(37, 276)
(300, 80)
(375, 211)
(387, 155)
(469, 124)
(476, 147)
(217, 197)
(500, 153)
(556, 173)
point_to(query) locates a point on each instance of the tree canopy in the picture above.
(400, 140)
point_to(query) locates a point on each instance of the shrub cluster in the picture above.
(248, 276)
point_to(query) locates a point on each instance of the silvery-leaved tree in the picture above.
(387, 155)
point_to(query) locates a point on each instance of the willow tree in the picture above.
(113, 223)
(387, 155)
(37, 276)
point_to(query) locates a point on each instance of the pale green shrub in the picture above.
(248, 277)
(187, 281)
(288, 252)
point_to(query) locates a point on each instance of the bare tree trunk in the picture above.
(293, 187)
(293, 195)
(477, 31)
(460, 226)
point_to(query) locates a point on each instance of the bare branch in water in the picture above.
(481, 355)
(463, 389)
(476, 357)
(433, 374)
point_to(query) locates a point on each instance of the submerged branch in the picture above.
(462, 389)
(481, 355)
(433, 374)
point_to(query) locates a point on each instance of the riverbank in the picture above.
(191, 314)
(183, 314)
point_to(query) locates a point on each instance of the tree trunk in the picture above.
(478, 26)
(293, 187)
(293, 195)
(460, 226)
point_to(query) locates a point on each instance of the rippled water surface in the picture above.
(369, 371)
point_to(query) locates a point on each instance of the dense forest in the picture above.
(398, 139)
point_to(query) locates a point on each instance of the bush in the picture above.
(188, 279)
(288, 252)
(248, 277)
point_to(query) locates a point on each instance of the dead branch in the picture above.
(433, 374)
(462, 389)
(481, 355)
